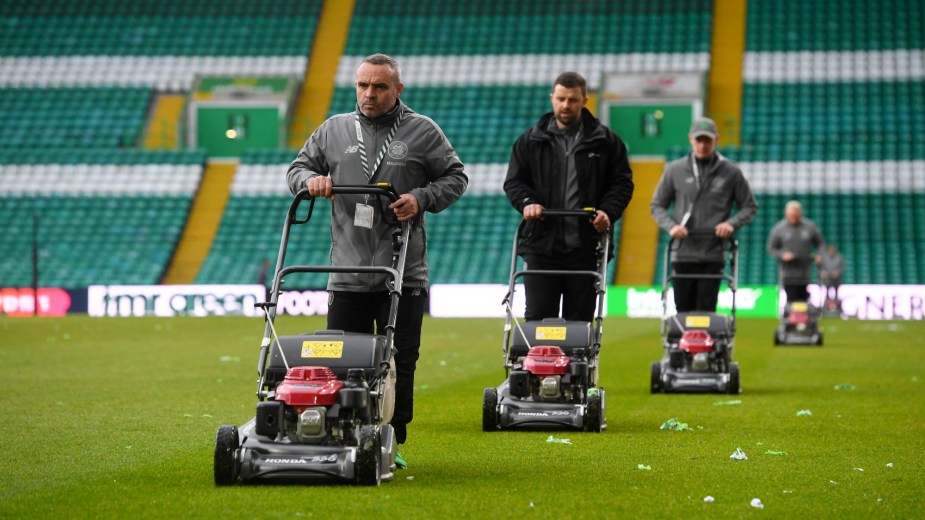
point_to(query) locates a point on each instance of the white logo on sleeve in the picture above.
(398, 150)
(352, 149)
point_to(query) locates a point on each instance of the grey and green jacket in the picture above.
(420, 161)
(803, 239)
(722, 185)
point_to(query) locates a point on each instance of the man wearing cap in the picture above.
(701, 188)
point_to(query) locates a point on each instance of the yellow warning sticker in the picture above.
(697, 321)
(798, 306)
(322, 349)
(551, 333)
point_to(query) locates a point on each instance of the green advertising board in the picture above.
(646, 301)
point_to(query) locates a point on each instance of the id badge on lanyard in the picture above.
(363, 216)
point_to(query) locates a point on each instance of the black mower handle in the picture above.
(583, 212)
(380, 188)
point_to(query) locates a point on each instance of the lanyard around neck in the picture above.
(385, 146)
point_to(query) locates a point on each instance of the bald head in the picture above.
(793, 212)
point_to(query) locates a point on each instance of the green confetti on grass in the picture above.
(676, 425)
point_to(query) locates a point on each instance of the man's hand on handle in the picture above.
(724, 230)
(320, 187)
(405, 208)
(601, 222)
(533, 212)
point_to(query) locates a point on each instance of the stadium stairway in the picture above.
(204, 218)
(318, 85)
(724, 101)
(163, 122)
(639, 234)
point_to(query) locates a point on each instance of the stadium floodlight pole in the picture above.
(35, 264)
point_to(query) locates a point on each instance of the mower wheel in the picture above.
(369, 454)
(656, 384)
(777, 340)
(490, 410)
(226, 444)
(594, 416)
(733, 386)
(819, 339)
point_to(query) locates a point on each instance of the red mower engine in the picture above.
(308, 391)
(541, 374)
(698, 344)
(798, 319)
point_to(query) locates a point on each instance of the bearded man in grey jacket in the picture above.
(701, 188)
(382, 140)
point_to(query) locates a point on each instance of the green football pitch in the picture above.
(116, 417)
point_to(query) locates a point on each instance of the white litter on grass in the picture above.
(531, 504)
(556, 440)
(739, 455)
(859, 469)
(728, 403)
(788, 491)
(804, 413)
(411, 477)
(442, 363)
(708, 499)
(756, 503)
(644, 467)
(227, 359)
(889, 464)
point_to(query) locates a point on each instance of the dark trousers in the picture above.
(697, 294)
(830, 287)
(359, 311)
(796, 292)
(544, 292)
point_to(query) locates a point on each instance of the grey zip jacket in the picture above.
(721, 184)
(420, 161)
(801, 239)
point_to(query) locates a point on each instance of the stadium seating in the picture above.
(160, 44)
(101, 117)
(97, 223)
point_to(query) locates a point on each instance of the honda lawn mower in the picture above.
(799, 325)
(324, 398)
(550, 365)
(698, 345)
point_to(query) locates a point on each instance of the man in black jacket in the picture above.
(568, 160)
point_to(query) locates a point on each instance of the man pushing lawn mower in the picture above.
(383, 140)
(567, 160)
(796, 243)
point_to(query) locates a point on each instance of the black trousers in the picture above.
(544, 292)
(796, 292)
(359, 311)
(697, 294)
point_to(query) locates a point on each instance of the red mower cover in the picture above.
(546, 361)
(696, 341)
(798, 318)
(309, 386)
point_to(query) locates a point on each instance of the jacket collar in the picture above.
(385, 119)
(590, 124)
